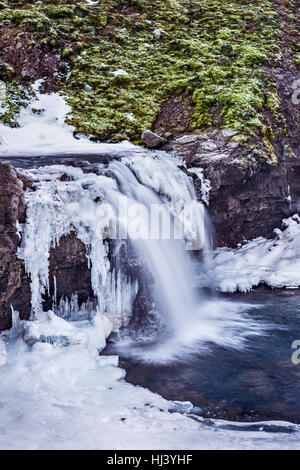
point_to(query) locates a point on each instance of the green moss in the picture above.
(67, 52)
(17, 97)
(3, 4)
(214, 51)
(220, 66)
(6, 72)
(296, 58)
(60, 12)
(19, 17)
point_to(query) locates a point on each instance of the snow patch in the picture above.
(42, 131)
(205, 183)
(273, 262)
(2, 353)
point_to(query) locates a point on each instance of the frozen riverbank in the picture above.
(97, 409)
(275, 263)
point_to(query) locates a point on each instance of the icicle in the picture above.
(59, 206)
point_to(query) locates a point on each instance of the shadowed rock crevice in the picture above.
(69, 273)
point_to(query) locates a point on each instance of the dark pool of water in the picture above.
(257, 383)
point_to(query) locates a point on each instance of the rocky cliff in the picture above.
(14, 284)
(126, 66)
(247, 198)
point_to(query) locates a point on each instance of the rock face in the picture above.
(247, 199)
(175, 117)
(14, 284)
(69, 267)
(152, 140)
(41, 59)
(245, 204)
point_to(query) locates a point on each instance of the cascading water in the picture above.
(73, 199)
(165, 259)
(67, 199)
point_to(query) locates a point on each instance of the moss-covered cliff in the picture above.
(119, 62)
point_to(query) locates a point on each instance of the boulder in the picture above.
(152, 140)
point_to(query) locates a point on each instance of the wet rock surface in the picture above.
(69, 273)
(152, 140)
(14, 283)
(247, 199)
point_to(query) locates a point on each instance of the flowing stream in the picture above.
(255, 383)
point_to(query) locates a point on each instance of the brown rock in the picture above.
(152, 140)
(14, 283)
(69, 265)
(29, 59)
(175, 117)
(246, 200)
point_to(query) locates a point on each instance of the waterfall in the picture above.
(88, 203)
(139, 218)
(166, 259)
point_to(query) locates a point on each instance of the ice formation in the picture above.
(273, 262)
(67, 199)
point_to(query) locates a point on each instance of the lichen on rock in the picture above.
(219, 55)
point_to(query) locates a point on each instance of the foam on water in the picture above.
(213, 322)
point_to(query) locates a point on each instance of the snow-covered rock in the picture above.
(272, 262)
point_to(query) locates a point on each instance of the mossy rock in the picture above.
(218, 53)
(7, 73)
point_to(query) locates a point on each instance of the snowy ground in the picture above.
(60, 396)
(273, 262)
